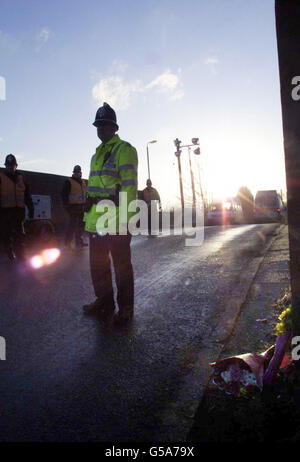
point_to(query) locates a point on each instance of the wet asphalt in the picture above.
(68, 377)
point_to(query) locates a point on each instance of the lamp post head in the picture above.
(195, 140)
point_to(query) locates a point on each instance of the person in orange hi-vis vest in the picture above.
(74, 198)
(14, 196)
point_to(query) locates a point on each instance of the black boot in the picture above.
(95, 307)
(8, 248)
(11, 255)
(100, 307)
(123, 317)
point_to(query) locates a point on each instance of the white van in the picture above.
(268, 207)
(228, 212)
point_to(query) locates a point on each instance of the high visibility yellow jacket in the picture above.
(12, 194)
(78, 191)
(113, 170)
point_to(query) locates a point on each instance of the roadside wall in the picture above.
(50, 185)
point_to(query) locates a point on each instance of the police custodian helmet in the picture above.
(105, 115)
(10, 160)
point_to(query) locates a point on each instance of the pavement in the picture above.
(254, 329)
(67, 379)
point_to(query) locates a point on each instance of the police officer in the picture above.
(150, 194)
(14, 195)
(74, 198)
(113, 170)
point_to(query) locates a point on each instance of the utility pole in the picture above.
(192, 180)
(200, 183)
(178, 154)
(195, 142)
(288, 43)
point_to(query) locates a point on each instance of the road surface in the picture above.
(67, 378)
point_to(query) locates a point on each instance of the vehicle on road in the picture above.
(268, 207)
(228, 212)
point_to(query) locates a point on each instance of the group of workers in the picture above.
(113, 169)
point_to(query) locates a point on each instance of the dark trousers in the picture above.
(12, 230)
(75, 225)
(149, 220)
(118, 247)
(157, 226)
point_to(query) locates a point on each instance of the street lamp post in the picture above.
(149, 142)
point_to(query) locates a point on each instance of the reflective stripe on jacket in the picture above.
(12, 194)
(78, 192)
(113, 170)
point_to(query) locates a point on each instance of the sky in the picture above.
(170, 69)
